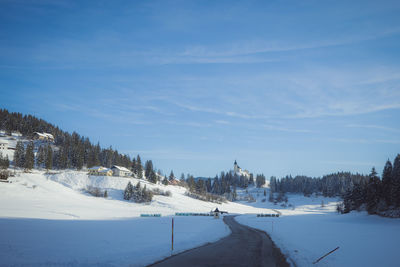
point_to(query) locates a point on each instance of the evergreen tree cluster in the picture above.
(137, 193)
(225, 184)
(73, 150)
(335, 184)
(260, 180)
(4, 162)
(375, 195)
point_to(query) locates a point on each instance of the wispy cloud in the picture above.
(366, 141)
(371, 126)
(284, 129)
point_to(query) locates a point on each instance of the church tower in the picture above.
(235, 167)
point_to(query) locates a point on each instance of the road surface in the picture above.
(245, 246)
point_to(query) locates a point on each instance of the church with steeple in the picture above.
(237, 170)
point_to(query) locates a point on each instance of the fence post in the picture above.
(172, 237)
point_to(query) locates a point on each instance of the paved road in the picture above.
(244, 247)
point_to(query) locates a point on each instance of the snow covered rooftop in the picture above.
(47, 135)
(95, 168)
(120, 168)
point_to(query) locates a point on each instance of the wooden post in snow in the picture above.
(172, 237)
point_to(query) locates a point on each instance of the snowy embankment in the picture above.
(51, 220)
(311, 230)
(133, 242)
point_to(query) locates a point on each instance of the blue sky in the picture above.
(284, 87)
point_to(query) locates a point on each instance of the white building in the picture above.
(237, 170)
(3, 145)
(43, 136)
(120, 171)
(100, 171)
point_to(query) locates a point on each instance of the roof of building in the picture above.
(47, 135)
(120, 168)
(97, 168)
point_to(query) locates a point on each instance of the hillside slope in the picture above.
(63, 196)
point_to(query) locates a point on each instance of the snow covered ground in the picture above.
(133, 242)
(306, 231)
(51, 220)
(62, 196)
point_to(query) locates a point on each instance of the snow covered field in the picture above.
(62, 196)
(310, 230)
(133, 242)
(51, 220)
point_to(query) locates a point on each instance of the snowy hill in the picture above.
(52, 220)
(63, 196)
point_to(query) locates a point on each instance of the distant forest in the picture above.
(359, 192)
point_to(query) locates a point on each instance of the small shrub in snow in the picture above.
(340, 207)
(207, 197)
(4, 174)
(158, 191)
(95, 191)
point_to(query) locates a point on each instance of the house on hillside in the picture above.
(173, 182)
(43, 136)
(100, 171)
(120, 171)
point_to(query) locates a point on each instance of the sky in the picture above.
(283, 87)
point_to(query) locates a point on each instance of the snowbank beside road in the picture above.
(310, 232)
(130, 242)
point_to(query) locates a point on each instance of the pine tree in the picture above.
(234, 194)
(387, 182)
(133, 168)
(29, 157)
(128, 191)
(49, 158)
(165, 180)
(139, 167)
(373, 192)
(19, 155)
(152, 177)
(171, 176)
(41, 156)
(80, 158)
(4, 162)
(395, 195)
(148, 168)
